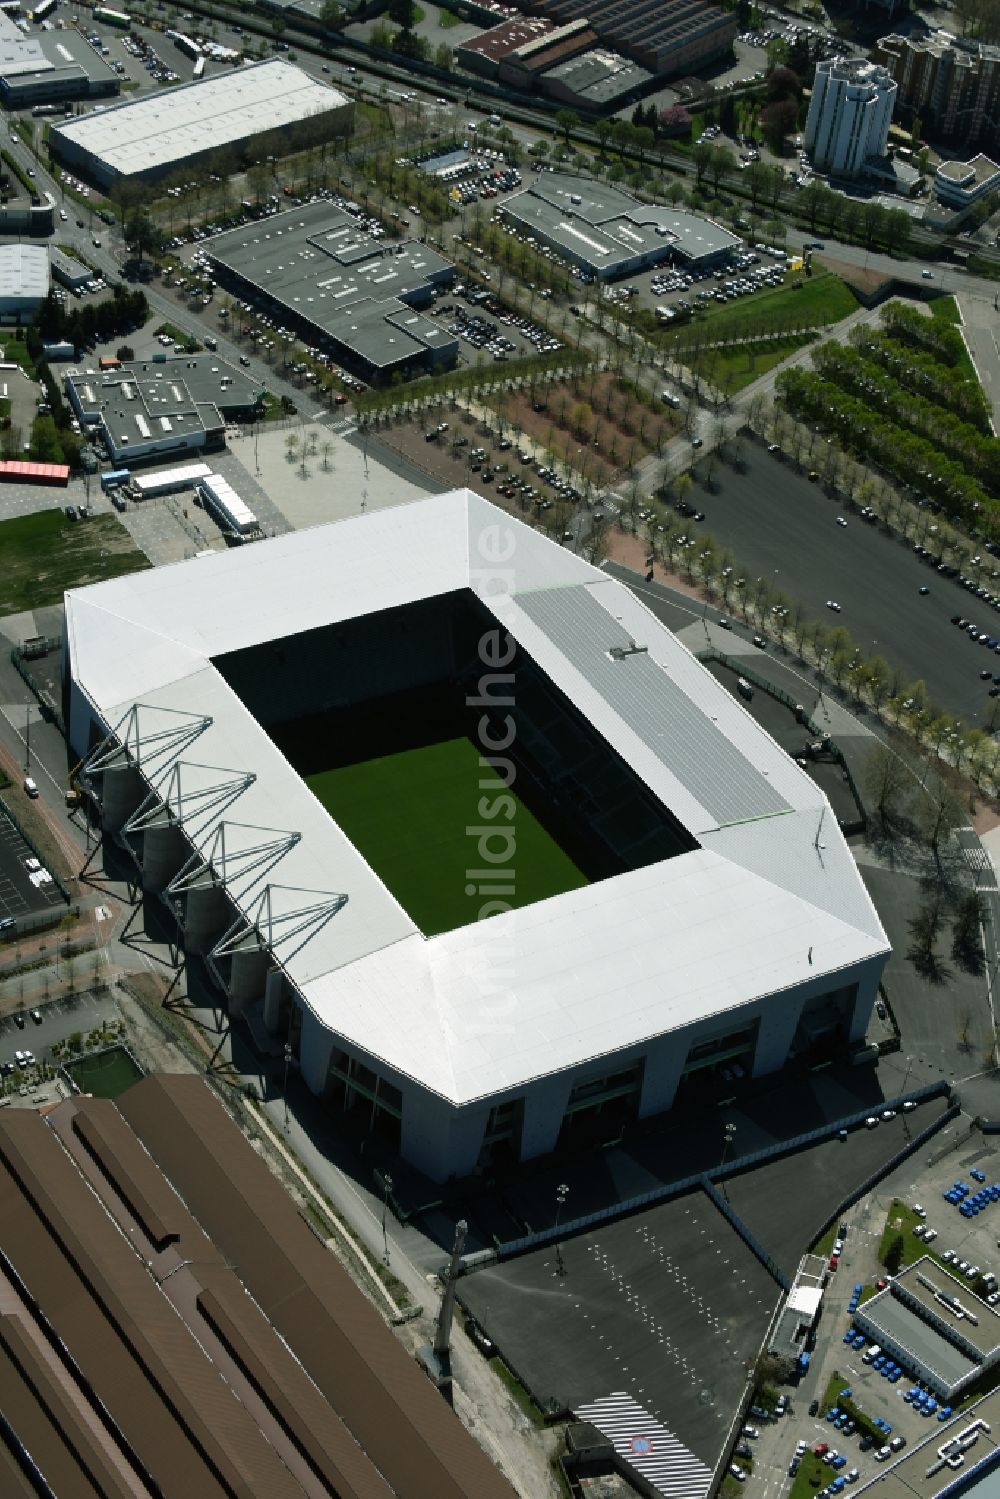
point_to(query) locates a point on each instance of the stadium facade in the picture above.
(724, 920)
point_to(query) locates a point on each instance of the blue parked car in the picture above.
(832, 1413)
(849, 1338)
(895, 1375)
(977, 1175)
(859, 1340)
(840, 1461)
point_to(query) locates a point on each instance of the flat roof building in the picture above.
(358, 298)
(172, 1325)
(669, 40)
(598, 79)
(50, 66)
(931, 1323)
(152, 410)
(609, 233)
(849, 115)
(951, 83)
(24, 281)
(712, 927)
(959, 184)
(485, 52)
(264, 107)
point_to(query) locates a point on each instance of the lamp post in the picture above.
(386, 1189)
(284, 1089)
(562, 1192)
(728, 1138)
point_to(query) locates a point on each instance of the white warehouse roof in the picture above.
(770, 899)
(24, 273)
(145, 134)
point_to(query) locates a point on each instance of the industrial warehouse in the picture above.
(267, 107)
(172, 1323)
(607, 233)
(156, 410)
(337, 286)
(293, 754)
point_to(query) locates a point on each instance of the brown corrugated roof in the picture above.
(13, 1483)
(129, 1169)
(179, 1414)
(316, 1429)
(50, 1423)
(391, 1408)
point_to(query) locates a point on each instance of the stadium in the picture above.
(448, 811)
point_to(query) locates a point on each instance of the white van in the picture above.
(871, 1354)
(29, 786)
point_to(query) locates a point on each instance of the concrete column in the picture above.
(123, 788)
(315, 1049)
(779, 1021)
(164, 849)
(544, 1107)
(274, 990)
(438, 1138)
(207, 914)
(661, 1074)
(864, 1000)
(247, 979)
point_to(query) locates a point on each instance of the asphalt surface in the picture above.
(783, 528)
(669, 1307)
(18, 895)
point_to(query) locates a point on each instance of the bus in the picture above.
(186, 44)
(42, 9)
(113, 18)
(199, 68)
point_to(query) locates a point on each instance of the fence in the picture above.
(883, 1171)
(736, 1223)
(668, 1190)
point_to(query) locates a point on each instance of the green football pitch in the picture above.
(408, 814)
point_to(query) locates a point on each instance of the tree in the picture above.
(723, 161)
(141, 232)
(924, 928)
(938, 810)
(702, 155)
(777, 120)
(443, 57)
(403, 12)
(887, 780)
(567, 120)
(967, 931)
(330, 14)
(892, 1259)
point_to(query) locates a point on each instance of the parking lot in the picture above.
(26, 886)
(34, 1031)
(669, 1307)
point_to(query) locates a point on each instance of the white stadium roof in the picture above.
(770, 899)
(150, 132)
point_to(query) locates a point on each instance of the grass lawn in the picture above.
(15, 352)
(818, 300)
(945, 308)
(901, 1220)
(447, 19)
(408, 814)
(44, 554)
(732, 369)
(107, 1074)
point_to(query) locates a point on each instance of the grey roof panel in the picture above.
(658, 711)
(891, 1318)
